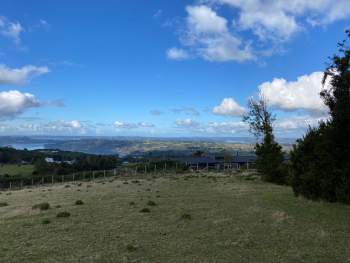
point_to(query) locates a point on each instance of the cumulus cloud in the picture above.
(207, 35)
(13, 103)
(177, 54)
(229, 107)
(11, 30)
(132, 125)
(297, 124)
(302, 94)
(279, 19)
(202, 19)
(185, 110)
(213, 37)
(19, 76)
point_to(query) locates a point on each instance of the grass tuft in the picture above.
(2, 204)
(46, 221)
(41, 206)
(79, 202)
(151, 203)
(186, 216)
(63, 214)
(131, 248)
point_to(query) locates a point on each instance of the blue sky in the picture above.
(163, 68)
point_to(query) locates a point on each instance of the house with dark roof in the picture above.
(235, 161)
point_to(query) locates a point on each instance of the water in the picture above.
(28, 146)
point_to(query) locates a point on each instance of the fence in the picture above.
(11, 182)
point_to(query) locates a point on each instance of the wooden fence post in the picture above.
(10, 185)
(52, 179)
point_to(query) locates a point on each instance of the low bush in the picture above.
(145, 210)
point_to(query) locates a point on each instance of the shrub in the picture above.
(145, 210)
(132, 203)
(79, 202)
(63, 214)
(41, 206)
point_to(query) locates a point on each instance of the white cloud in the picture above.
(131, 125)
(186, 110)
(186, 123)
(202, 19)
(20, 76)
(296, 125)
(229, 107)
(11, 30)
(13, 103)
(177, 54)
(280, 19)
(302, 94)
(75, 124)
(227, 127)
(207, 35)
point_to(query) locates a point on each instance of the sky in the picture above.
(163, 68)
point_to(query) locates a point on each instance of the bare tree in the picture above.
(259, 118)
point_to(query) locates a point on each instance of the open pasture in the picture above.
(205, 217)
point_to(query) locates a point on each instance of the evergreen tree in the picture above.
(321, 159)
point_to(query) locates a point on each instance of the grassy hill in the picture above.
(214, 218)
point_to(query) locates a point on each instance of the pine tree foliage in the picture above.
(321, 159)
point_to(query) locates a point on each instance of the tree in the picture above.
(269, 152)
(321, 159)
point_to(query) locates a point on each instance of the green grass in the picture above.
(14, 169)
(195, 220)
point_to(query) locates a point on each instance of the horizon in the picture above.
(163, 69)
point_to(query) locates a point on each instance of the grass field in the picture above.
(193, 219)
(14, 169)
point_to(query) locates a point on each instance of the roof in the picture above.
(244, 158)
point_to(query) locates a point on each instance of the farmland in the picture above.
(15, 169)
(195, 217)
